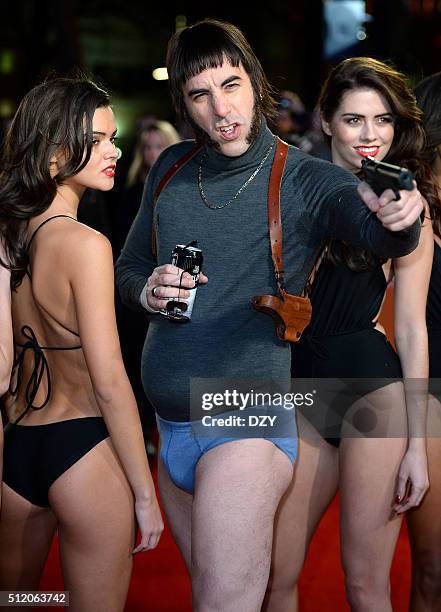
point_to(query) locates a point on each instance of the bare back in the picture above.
(44, 314)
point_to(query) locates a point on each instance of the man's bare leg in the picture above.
(238, 488)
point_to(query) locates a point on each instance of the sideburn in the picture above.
(203, 138)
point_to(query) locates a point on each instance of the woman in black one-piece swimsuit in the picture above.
(361, 445)
(424, 523)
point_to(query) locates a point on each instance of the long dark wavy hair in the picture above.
(56, 116)
(205, 45)
(409, 140)
(428, 95)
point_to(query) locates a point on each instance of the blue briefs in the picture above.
(182, 446)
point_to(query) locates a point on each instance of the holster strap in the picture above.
(164, 181)
(274, 216)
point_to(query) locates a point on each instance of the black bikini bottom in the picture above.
(36, 455)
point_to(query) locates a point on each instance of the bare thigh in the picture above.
(178, 506)
(94, 506)
(310, 492)
(368, 479)
(424, 524)
(238, 489)
(26, 533)
(1, 461)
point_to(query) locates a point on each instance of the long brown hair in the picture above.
(428, 95)
(409, 140)
(56, 115)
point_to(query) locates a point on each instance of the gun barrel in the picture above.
(386, 172)
(401, 176)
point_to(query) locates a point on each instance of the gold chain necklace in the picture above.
(247, 182)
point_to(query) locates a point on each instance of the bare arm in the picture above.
(92, 281)
(6, 342)
(412, 276)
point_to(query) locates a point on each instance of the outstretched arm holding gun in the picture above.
(390, 192)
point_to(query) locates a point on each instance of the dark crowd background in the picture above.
(120, 44)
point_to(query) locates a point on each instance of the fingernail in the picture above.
(398, 499)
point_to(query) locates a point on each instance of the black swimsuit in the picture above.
(341, 342)
(434, 323)
(36, 455)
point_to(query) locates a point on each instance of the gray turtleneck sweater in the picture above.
(226, 337)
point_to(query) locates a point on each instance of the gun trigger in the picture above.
(397, 195)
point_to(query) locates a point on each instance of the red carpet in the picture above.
(160, 583)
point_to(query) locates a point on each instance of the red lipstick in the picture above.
(110, 170)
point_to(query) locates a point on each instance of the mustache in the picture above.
(203, 138)
(237, 120)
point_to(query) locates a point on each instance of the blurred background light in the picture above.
(160, 74)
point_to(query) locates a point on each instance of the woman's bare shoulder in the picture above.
(79, 240)
(71, 250)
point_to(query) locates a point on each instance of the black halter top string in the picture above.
(44, 223)
(40, 368)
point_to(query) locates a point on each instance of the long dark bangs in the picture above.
(208, 44)
(194, 60)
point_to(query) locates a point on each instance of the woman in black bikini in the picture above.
(366, 109)
(74, 458)
(424, 524)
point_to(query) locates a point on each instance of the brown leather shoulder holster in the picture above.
(163, 183)
(291, 313)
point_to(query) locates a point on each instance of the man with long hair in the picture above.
(221, 492)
